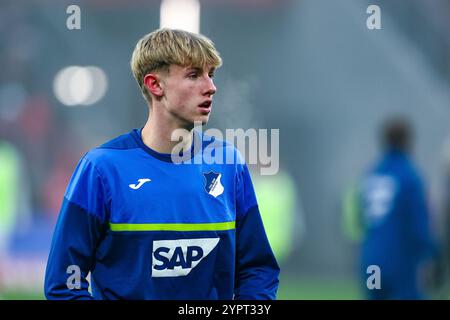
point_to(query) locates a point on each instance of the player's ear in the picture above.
(152, 82)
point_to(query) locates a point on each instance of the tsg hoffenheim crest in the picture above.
(213, 185)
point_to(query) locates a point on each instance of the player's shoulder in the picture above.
(109, 149)
(407, 171)
(228, 149)
(412, 177)
(124, 141)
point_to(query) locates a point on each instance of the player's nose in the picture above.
(210, 88)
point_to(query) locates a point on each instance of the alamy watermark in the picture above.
(374, 280)
(253, 145)
(373, 22)
(74, 278)
(73, 21)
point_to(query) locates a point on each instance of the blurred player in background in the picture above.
(442, 274)
(390, 206)
(149, 228)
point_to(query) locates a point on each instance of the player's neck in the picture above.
(157, 135)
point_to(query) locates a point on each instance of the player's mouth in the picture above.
(205, 107)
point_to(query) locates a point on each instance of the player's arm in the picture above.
(256, 268)
(419, 222)
(78, 230)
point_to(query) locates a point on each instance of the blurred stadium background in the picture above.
(310, 68)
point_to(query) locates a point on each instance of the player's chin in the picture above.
(203, 119)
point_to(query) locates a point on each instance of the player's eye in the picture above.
(193, 75)
(211, 75)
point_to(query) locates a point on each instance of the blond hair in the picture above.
(161, 48)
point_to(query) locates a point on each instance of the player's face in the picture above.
(188, 93)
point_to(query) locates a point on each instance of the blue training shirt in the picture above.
(148, 228)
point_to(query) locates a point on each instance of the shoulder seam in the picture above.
(240, 216)
(105, 185)
(84, 209)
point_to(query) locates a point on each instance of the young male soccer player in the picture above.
(149, 228)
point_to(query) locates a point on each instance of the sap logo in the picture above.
(175, 258)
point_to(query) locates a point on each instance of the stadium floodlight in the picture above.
(99, 85)
(75, 85)
(180, 14)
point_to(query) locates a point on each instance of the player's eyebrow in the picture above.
(199, 69)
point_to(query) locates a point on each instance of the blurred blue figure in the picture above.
(395, 219)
